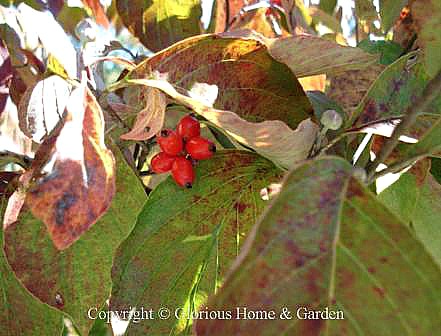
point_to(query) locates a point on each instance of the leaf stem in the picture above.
(20, 159)
(396, 167)
(431, 91)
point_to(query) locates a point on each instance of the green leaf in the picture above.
(435, 169)
(419, 207)
(390, 11)
(308, 55)
(78, 278)
(321, 103)
(159, 23)
(429, 144)
(328, 5)
(397, 88)
(389, 51)
(334, 246)
(185, 240)
(365, 9)
(426, 15)
(21, 313)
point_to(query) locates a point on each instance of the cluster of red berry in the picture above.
(181, 149)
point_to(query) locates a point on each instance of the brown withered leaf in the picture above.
(77, 183)
(150, 120)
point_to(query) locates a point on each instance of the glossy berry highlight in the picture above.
(182, 172)
(188, 127)
(170, 142)
(162, 163)
(200, 148)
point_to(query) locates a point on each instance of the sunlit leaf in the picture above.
(51, 35)
(249, 84)
(176, 258)
(98, 12)
(78, 181)
(321, 16)
(42, 107)
(78, 278)
(301, 54)
(272, 139)
(337, 247)
(158, 23)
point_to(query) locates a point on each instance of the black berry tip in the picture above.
(188, 185)
(165, 133)
(212, 148)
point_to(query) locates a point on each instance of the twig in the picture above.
(397, 166)
(227, 15)
(431, 91)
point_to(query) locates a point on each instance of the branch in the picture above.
(431, 91)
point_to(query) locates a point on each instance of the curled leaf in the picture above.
(42, 107)
(271, 138)
(150, 120)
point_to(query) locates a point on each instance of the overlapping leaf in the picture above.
(176, 258)
(78, 177)
(150, 119)
(335, 246)
(308, 55)
(21, 313)
(159, 23)
(394, 91)
(42, 107)
(41, 27)
(427, 16)
(271, 138)
(249, 84)
(98, 12)
(78, 278)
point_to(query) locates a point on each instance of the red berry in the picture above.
(162, 162)
(188, 127)
(182, 172)
(170, 142)
(200, 148)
